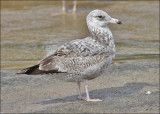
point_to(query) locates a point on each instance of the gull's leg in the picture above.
(74, 6)
(87, 94)
(63, 6)
(79, 89)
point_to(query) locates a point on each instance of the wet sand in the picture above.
(32, 31)
(122, 88)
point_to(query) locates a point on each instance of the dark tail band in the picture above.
(34, 70)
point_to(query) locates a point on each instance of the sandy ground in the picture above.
(122, 88)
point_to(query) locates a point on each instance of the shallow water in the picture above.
(31, 30)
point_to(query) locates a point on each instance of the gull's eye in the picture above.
(100, 17)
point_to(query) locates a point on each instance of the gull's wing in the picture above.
(75, 56)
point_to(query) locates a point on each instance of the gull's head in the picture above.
(99, 18)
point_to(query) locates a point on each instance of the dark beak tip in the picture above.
(119, 22)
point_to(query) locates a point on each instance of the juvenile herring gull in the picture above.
(82, 59)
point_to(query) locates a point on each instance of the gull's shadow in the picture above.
(127, 89)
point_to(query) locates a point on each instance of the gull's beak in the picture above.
(116, 21)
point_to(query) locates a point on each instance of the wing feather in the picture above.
(75, 56)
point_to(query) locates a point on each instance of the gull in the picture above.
(81, 59)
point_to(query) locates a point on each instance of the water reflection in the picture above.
(31, 30)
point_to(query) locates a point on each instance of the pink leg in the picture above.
(79, 89)
(74, 5)
(63, 6)
(87, 94)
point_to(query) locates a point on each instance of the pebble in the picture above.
(148, 92)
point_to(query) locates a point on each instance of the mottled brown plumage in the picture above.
(82, 59)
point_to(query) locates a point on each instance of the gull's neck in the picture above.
(103, 35)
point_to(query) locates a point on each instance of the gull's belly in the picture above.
(97, 69)
(91, 72)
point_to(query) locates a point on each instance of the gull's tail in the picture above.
(34, 70)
